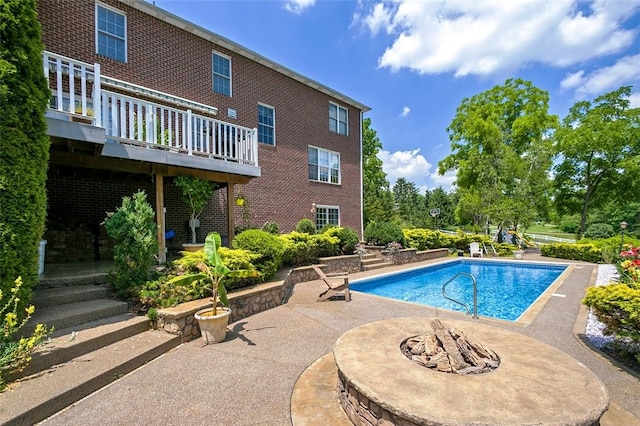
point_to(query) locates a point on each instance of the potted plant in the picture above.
(195, 193)
(213, 321)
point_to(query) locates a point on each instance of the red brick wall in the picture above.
(168, 59)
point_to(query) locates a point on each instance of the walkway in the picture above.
(248, 379)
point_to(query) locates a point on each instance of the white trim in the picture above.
(126, 38)
(274, 123)
(213, 74)
(339, 166)
(338, 108)
(323, 206)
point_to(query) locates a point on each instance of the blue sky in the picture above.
(414, 61)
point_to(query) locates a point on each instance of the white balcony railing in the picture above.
(128, 119)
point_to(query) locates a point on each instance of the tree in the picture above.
(502, 153)
(439, 199)
(408, 202)
(598, 145)
(377, 198)
(24, 154)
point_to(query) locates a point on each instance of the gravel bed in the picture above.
(593, 332)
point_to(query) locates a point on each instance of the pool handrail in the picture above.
(475, 293)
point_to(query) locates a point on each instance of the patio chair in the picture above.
(336, 283)
(474, 248)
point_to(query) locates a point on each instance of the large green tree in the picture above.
(410, 205)
(446, 203)
(598, 145)
(502, 153)
(24, 149)
(377, 197)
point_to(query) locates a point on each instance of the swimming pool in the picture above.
(505, 289)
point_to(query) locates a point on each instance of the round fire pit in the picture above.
(534, 383)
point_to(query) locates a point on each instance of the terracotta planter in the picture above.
(213, 328)
(192, 247)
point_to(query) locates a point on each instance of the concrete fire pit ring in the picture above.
(534, 384)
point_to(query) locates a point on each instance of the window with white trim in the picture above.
(327, 214)
(266, 124)
(338, 119)
(324, 166)
(221, 74)
(111, 33)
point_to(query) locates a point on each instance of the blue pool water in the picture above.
(505, 289)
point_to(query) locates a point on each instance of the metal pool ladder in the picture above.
(475, 294)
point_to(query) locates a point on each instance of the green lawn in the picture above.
(543, 229)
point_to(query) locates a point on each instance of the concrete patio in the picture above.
(249, 378)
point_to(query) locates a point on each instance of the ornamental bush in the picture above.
(585, 252)
(133, 229)
(306, 226)
(272, 228)
(617, 306)
(347, 236)
(383, 233)
(15, 353)
(304, 249)
(599, 231)
(24, 151)
(267, 245)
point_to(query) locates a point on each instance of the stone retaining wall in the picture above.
(180, 319)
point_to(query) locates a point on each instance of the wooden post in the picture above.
(230, 213)
(162, 244)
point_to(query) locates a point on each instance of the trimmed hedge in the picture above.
(303, 249)
(24, 156)
(383, 233)
(584, 252)
(347, 236)
(617, 306)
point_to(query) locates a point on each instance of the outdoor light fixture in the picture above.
(623, 226)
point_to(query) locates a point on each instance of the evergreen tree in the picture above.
(24, 146)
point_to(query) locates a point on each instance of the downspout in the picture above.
(361, 183)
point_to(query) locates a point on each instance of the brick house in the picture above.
(140, 96)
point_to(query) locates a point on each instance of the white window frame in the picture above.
(326, 209)
(318, 165)
(213, 73)
(273, 128)
(337, 119)
(124, 40)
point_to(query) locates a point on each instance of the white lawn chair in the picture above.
(474, 248)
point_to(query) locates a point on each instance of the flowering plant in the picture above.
(393, 246)
(360, 249)
(630, 264)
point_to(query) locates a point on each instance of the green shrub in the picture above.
(585, 252)
(272, 228)
(267, 245)
(347, 236)
(24, 148)
(599, 231)
(617, 306)
(133, 229)
(303, 249)
(162, 293)
(381, 234)
(306, 226)
(570, 224)
(15, 353)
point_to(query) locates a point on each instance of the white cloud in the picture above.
(494, 36)
(634, 100)
(406, 164)
(626, 71)
(405, 111)
(298, 6)
(445, 181)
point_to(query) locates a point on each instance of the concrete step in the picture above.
(43, 298)
(38, 397)
(66, 344)
(379, 265)
(372, 260)
(73, 314)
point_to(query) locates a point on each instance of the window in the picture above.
(221, 74)
(338, 119)
(111, 33)
(266, 125)
(327, 214)
(324, 166)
